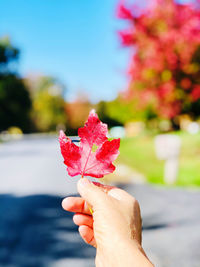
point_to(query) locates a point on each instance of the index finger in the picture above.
(75, 204)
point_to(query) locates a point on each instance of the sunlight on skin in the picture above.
(82, 217)
(114, 228)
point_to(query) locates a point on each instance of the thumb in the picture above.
(91, 193)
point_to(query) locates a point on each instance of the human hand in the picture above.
(114, 228)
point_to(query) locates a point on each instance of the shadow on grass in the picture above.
(35, 231)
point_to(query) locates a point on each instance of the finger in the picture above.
(75, 204)
(114, 191)
(82, 219)
(87, 234)
(105, 188)
(94, 195)
(120, 194)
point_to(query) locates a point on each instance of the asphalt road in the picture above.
(36, 232)
(34, 165)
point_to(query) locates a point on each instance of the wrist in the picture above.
(123, 253)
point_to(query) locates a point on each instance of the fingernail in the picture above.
(64, 203)
(84, 182)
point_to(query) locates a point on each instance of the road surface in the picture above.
(36, 232)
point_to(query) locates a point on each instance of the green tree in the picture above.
(15, 102)
(110, 113)
(48, 111)
(122, 110)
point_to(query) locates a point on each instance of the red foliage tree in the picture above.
(164, 39)
(77, 113)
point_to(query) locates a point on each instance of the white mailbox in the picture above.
(167, 148)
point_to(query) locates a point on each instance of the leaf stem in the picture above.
(91, 211)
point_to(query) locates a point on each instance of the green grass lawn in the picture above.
(139, 154)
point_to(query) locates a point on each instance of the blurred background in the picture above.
(137, 63)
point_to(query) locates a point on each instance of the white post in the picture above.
(171, 170)
(168, 148)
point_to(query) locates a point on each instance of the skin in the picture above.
(113, 228)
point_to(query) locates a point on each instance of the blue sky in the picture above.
(73, 40)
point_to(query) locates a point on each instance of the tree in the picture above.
(48, 104)
(15, 101)
(164, 39)
(111, 113)
(77, 112)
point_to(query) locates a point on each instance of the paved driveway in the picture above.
(36, 232)
(34, 165)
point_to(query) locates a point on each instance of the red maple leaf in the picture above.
(82, 159)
